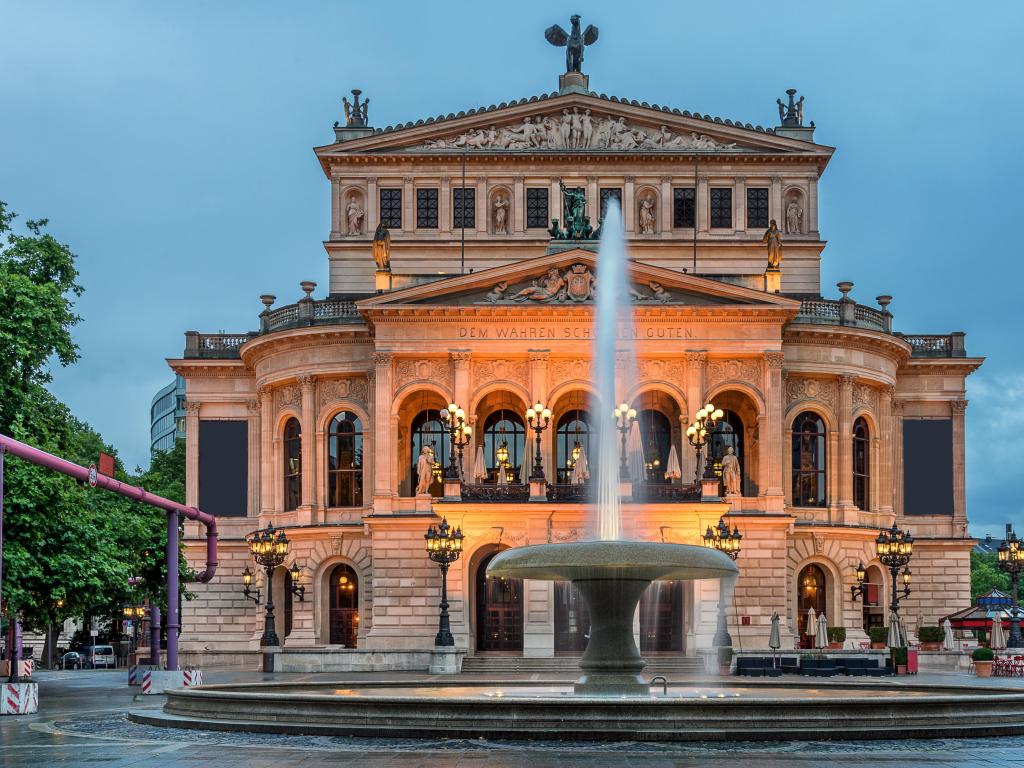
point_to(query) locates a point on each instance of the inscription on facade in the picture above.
(568, 332)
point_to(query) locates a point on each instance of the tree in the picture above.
(985, 576)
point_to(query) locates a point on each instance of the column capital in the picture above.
(846, 380)
(628, 179)
(958, 407)
(539, 355)
(774, 360)
(697, 359)
(192, 407)
(519, 179)
(666, 179)
(307, 381)
(889, 391)
(371, 179)
(252, 405)
(382, 358)
(897, 407)
(460, 355)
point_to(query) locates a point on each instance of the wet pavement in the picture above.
(82, 722)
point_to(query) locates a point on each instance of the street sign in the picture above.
(106, 464)
(94, 632)
(92, 475)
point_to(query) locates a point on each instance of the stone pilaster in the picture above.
(775, 204)
(665, 212)
(958, 407)
(811, 213)
(629, 204)
(555, 203)
(897, 456)
(886, 460)
(444, 205)
(335, 208)
(740, 204)
(372, 204)
(266, 400)
(460, 377)
(192, 453)
(696, 369)
(845, 439)
(703, 209)
(309, 442)
(385, 432)
(774, 445)
(593, 201)
(408, 205)
(518, 206)
(252, 409)
(481, 204)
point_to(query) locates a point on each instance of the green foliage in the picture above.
(930, 634)
(983, 654)
(878, 634)
(899, 656)
(837, 634)
(985, 576)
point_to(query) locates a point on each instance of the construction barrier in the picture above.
(19, 699)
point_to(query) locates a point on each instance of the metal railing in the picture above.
(492, 492)
(833, 312)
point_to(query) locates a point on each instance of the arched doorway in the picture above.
(661, 618)
(738, 429)
(810, 594)
(874, 597)
(499, 611)
(572, 620)
(343, 596)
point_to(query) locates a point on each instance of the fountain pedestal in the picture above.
(611, 665)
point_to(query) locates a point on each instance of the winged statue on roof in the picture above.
(574, 41)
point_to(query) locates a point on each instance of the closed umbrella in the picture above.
(948, 644)
(635, 454)
(673, 471)
(998, 640)
(775, 636)
(895, 639)
(479, 471)
(527, 466)
(821, 636)
(812, 622)
(581, 470)
(502, 470)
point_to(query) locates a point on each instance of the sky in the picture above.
(170, 144)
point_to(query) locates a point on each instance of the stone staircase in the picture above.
(568, 666)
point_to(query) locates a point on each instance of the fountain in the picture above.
(611, 574)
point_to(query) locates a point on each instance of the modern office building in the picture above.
(167, 416)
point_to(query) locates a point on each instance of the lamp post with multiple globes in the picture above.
(624, 417)
(724, 540)
(269, 548)
(538, 417)
(1011, 560)
(455, 419)
(894, 549)
(443, 545)
(699, 435)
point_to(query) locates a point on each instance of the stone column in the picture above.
(444, 205)
(460, 377)
(267, 461)
(372, 204)
(740, 204)
(518, 206)
(775, 204)
(539, 391)
(665, 212)
(884, 478)
(192, 453)
(845, 439)
(335, 208)
(703, 209)
(254, 436)
(555, 203)
(481, 204)
(385, 432)
(408, 205)
(958, 407)
(811, 214)
(309, 473)
(774, 445)
(696, 369)
(897, 456)
(629, 204)
(593, 201)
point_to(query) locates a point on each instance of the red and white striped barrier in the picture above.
(19, 699)
(192, 677)
(157, 681)
(136, 671)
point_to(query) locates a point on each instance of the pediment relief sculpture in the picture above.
(577, 129)
(576, 285)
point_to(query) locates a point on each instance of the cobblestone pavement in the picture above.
(82, 722)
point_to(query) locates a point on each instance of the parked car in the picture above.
(71, 660)
(98, 656)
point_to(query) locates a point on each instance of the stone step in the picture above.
(568, 664)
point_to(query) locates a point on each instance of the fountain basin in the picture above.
(611, 576)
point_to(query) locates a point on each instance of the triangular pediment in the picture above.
(568, 279)
(574, 123)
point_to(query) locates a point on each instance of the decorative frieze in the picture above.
(866, 396)
(821, 390)
(664, 370)
(733, 370)
(564, 370)
(501, 370)
(433, 370)
(696, 359)
(289, 395)
(338, 390)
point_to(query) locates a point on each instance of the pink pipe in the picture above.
(48, 460)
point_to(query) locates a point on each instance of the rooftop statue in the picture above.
(382, 247)
(773, 239)
(574, 42)
(356, 113)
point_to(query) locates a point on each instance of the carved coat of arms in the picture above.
(579, 283)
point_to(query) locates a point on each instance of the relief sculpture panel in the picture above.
(436, 371)
(734, 370)
(822, 390)
(336, 390)
(485, 371)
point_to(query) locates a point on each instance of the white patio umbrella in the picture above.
(895, 638)
(775, 636)
(948, 643)
(526, 467)
(812, 622)
(502, 471)
(821, 636)
(635, 454)
(581, 469)
(997, 641)
(673, 470)
(479, 468)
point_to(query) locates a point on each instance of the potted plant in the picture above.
(931, 638)
(724, 661)
(836, 637)
(983, 658)
(878, 636)
(899, 660)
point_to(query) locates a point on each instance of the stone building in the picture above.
(449, 283)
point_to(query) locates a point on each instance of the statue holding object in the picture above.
(574, 41)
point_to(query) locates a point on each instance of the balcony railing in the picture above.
(936, 345)
(492, 492)
(838, 312)
(215, 346)
(666, 492)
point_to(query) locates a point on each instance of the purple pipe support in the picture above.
(173, 509)
(154, 634)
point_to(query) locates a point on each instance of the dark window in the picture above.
(572, 619)
(928, 467)
(288, 610)
(721, 207)
(683, 208)
(345, 461)
(809, 460)
(391, 208)
(499, 611)
(426, 208)
(662, 618)
(861, 464)
(504, 437)
(757, 208)
(656, 439)
(537, 207)
(292, 465)
(223, 466)
(428, 430)
(344, 606)
(610, 194)
(572, 437)
(463, 207)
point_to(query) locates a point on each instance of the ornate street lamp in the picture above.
(443, 545)
(268, 548)
(538, 417)
(724, 540)
(297, 588)
(624, 417)
(699, 435)
(894, 549)
(247, 590)
(455, 418)
(1011, 561)
(861, 587)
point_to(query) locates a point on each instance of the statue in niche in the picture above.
(773, 239)
(354, 213)
(543, 289)
(500, 215)
(794, 218)
(424, 471)
(731, 476)
(647, 215)
(382, 247)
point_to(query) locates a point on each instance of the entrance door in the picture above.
(344, 609)
(661, 618)
(499, 611)
(811, 585)
(572, 620)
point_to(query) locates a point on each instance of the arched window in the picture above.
(861, 465)
(292, 465)
(811, 594)
(573, 431)
(428, 430)
(808, 460)
(728, 433)
(504, 433)
(345, 461)
(656, 439)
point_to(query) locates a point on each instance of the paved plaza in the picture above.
(82, 722)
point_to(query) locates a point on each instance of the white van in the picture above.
(99, 656)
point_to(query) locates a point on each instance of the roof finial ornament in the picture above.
(355, 113)
(574, 42)
(791, 115)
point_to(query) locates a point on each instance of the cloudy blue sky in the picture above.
(170, 145)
